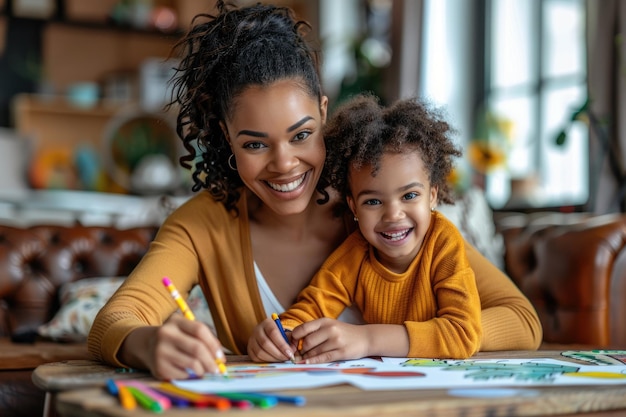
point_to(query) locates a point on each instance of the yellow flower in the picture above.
(486, 156)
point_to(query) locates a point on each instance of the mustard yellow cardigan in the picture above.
(435, 298)
(203, 243)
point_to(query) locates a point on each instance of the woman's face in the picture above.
(276, 136)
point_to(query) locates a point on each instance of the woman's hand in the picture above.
(266, 344)
(327, 340)
(177, 349)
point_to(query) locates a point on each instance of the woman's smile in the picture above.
(276, 137)
(286, 187)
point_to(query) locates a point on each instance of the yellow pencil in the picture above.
(179, 300)
(182, 305)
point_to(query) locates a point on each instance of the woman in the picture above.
(251, 114)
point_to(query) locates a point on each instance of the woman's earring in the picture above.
(356, 219)
(432, 209)
(232, 165)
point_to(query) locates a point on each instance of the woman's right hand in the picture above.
(174, 350)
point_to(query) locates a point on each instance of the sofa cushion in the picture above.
(80, 302)
(473, 216)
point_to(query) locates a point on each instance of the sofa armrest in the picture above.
(572, 267)
(14, 356)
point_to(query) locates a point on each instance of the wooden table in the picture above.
(65, 380)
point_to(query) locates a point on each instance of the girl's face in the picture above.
(276, 136)
(394, 207)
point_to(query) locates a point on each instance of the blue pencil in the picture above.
(298, 400)
(282, 331)
(280, 326)
(112, 387)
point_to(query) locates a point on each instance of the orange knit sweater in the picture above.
(435, 298)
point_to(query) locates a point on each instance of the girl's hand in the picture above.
(176, 350)
(266, 344)
(327, 340)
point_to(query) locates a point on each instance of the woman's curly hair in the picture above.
(360, 131)
(220, 57)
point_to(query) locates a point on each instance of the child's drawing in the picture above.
(409, 373)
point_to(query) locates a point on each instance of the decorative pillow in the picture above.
(80, 302)
(473, 216)
(197, 303)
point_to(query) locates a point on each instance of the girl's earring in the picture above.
(432, 209)
(232, 163)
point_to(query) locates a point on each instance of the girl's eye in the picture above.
(253, 145)
(372, 202)
(300, 136)
(410, 196)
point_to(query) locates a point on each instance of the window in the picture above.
(536, 78)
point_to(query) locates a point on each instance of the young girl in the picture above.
(405, 268)
(251, 113)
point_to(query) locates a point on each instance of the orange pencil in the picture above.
(126, 398)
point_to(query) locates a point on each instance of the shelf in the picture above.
(52, 122)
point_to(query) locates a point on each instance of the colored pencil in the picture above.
(163, 401)
(176, 400)
(144, 399)
(127, 400)
(282, 331)
(198, 400)
(112, 387)
(298, 400)
(263, 401)
(184, 307)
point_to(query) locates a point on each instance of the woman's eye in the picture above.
(411, 195)
(300, 136)
(254, 145)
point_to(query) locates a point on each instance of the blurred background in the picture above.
(532, 88)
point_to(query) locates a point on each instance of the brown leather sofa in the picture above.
(34, 263)
(572, 267)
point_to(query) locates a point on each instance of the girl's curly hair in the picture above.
(360, 131)
(220, 57)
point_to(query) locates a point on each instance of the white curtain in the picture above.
(606, 36)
